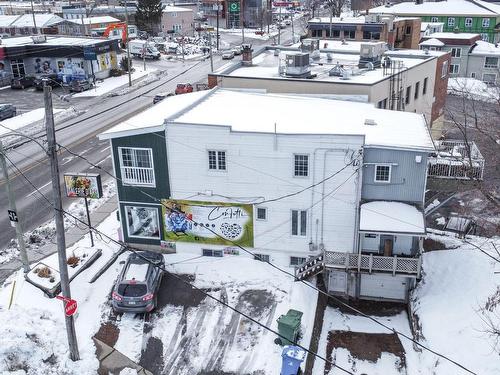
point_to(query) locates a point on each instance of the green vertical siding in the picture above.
(476, 27)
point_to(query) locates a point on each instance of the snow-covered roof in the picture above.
(95, 20)
(432, 42)
(391, 217)
(174, 9)
(425, 25)
(360, 19)
(42, 20)
(153, 118)
(6, 21)
(440, 8)
(52, 41)
(444, 35)
(283, 114)
(484, 48)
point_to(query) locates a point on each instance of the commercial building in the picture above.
(467, 16)
(232, 13)
(470, 56)
(67, 57)
(396, 32)
(287, 177)
(409, 80)
(177, 20)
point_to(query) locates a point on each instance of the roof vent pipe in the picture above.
(370, 122)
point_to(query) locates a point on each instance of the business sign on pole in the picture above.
(83, 185)
(234, 7)
(214, 223)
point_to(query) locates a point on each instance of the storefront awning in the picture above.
(391, 217)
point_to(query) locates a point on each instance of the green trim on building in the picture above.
(476, 26)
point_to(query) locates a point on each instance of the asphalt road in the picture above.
(79, 135)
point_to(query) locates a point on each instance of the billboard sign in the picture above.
(83, 185)
(214, 223)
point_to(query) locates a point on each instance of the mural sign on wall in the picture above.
(208, 222)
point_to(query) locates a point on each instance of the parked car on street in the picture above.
(282, 25)
(136, 289)
(51, 79)
(237, 50)
(79, 85)
(159, 97)
(7, 111)
(22, 82)
(228, 55)
(183, 88)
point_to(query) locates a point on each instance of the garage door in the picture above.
(383, 286)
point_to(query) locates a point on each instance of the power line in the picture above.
(357, 311)
(139, 253)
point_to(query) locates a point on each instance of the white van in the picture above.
(143, 48)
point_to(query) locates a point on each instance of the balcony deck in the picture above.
(456, 160)
(369, 262)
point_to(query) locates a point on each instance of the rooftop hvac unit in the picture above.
(372, 18)
(337, 71)
(295, 64)
(311, 46)
(371, 53)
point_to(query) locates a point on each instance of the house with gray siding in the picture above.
(327, 187)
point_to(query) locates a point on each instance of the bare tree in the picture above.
(335, 9)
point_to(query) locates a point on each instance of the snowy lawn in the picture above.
(111, 83)
(472, 88)
(27, 118)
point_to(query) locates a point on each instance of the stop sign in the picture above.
(70, 307)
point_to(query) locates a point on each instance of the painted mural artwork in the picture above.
(44, 67)
(208, 222)
(142, 222)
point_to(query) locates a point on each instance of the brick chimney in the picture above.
(246, 54)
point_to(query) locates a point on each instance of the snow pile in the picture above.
(112, 83)
(471, 88)
(46, 233)
(456, 302)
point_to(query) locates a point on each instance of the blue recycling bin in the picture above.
(292, 357)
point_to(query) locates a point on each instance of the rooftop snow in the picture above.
(172, 9)
(95, 20)
(6, 21)
(443, 35)
(432, 42)
(444, 8)
(42, 20)
(52, 41)
(265, 65)
(484, 48)
(153, 118)
(360, 19)
(285, 114)
(425, 25)
(391, 217)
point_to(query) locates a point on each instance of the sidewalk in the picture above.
(73, 235)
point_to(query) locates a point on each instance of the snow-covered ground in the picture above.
(472, 88)
(17, 122)
(111, 83)
(44, 234)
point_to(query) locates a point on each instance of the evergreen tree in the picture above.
(148, 15)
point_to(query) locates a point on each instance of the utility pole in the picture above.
(217, 36)
(211, 56)
(242, 12)
(34, 18)
(61, 240)
(279, 29)
(128, 49)
(12, 207)
(293, 34)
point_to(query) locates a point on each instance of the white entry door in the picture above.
(337, 281)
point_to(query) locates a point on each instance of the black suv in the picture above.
(51, 79)
(137, 285)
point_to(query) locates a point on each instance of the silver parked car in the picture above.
(228, 55)
(7, 111)
(136, 289)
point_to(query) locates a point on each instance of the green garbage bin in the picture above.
(289, 326)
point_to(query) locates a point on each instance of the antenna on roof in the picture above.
(275, 138)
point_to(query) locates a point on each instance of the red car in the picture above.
(183, 88)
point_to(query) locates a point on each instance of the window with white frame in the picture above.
(299, 223)
(468, 22)
(408, 94)
(216, 160)
(136, 166)
(486, 22)
(424, 88)
(297, 261)
(444, 69)
(261, 213)
(456, 52)
(451, 21)
(434, 19)
(417, 90)
(173, 14)
(177, 28)
(491, 62)
(142, 222)
(382, 173)
(301, 165)
(485, 37)
(454, 68)
(489, 78)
